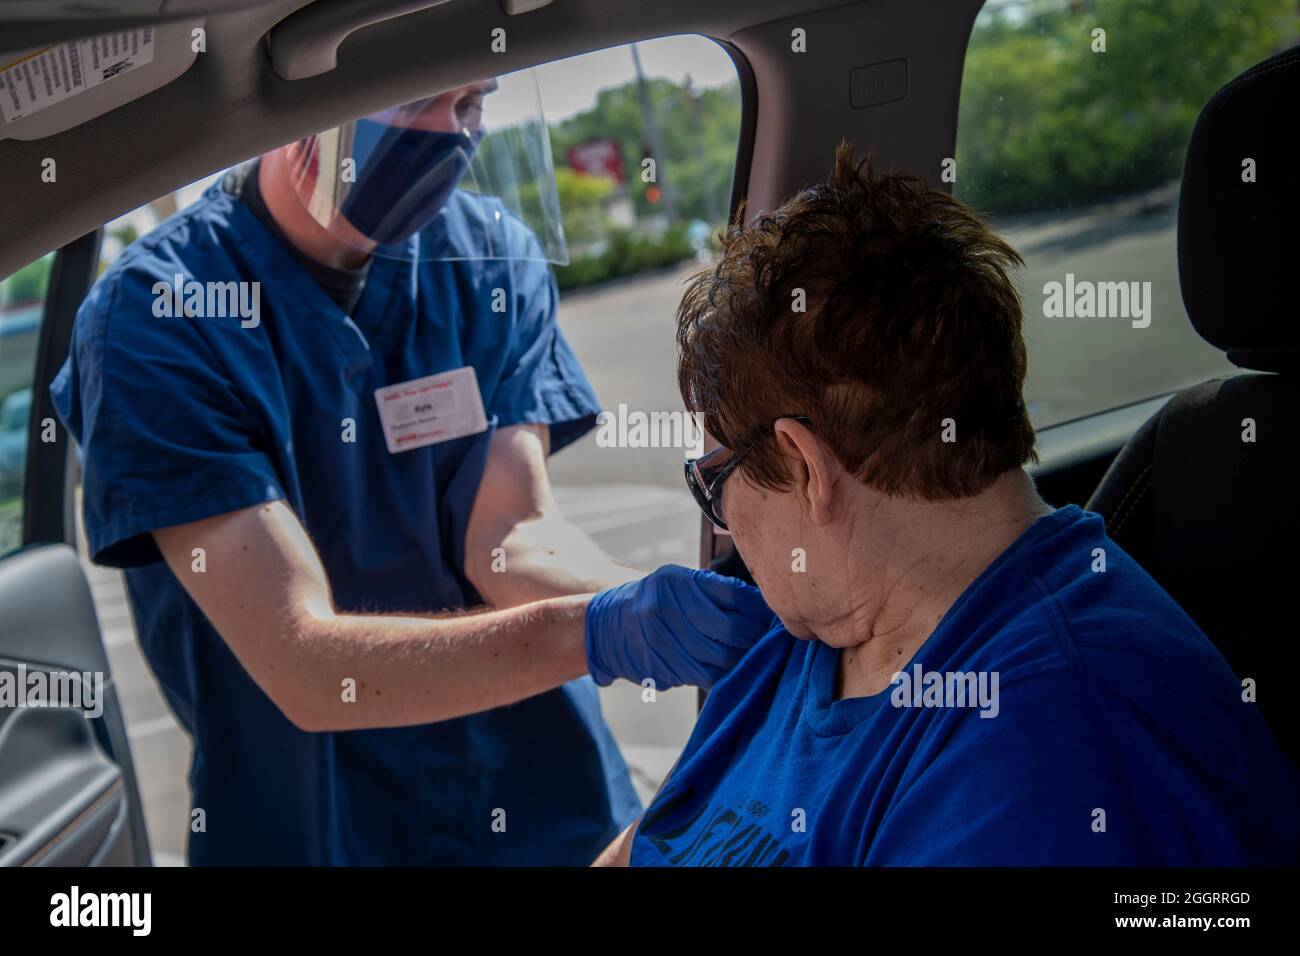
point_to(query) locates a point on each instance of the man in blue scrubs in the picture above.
(311, 446)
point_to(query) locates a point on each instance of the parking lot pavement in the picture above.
(624, 334)
(642, 525)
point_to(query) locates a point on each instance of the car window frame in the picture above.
(50, 477)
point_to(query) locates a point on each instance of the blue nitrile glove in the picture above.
(677, 626)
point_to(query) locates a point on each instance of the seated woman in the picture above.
(960, 675)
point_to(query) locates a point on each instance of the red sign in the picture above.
(597, 157)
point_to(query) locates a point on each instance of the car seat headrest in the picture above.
(1239, 218)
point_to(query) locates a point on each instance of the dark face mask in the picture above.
(403, 177)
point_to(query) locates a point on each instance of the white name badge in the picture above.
(429, 410)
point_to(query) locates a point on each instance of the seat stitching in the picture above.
(1120, 514)
(1142, 491)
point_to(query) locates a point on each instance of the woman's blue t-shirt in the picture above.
(1078, 717)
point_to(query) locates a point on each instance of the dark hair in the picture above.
(910, 318)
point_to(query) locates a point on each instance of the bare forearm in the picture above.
(544, 559)
(365, 671)
(265, 590)
(518, 546)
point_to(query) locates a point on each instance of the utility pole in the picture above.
(652, 137)
(692, 106)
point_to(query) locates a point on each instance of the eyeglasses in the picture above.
(706, 475)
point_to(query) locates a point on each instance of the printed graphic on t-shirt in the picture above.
(689, 832)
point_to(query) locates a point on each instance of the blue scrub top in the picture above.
(183, 418)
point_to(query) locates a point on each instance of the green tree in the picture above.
(582, 199)
(698, 131)
(1045, 121)
(28, 284)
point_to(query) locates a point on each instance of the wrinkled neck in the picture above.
(907, 564)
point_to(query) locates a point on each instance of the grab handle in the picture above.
(306, 43)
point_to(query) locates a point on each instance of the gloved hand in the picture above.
(677, 626)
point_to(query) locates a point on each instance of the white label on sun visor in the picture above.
(436, 408)
(41, 79)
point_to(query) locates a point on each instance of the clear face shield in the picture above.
(461, 175)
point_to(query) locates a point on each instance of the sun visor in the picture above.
(47, 90)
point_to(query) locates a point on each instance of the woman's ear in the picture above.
(812, 467)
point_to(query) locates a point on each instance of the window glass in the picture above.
(22, 300)
(1075, 117)
(634, 230)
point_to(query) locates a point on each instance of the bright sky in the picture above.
(570, 86)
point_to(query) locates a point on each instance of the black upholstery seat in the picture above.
(1216, 519)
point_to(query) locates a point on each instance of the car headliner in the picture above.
(231, 104)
